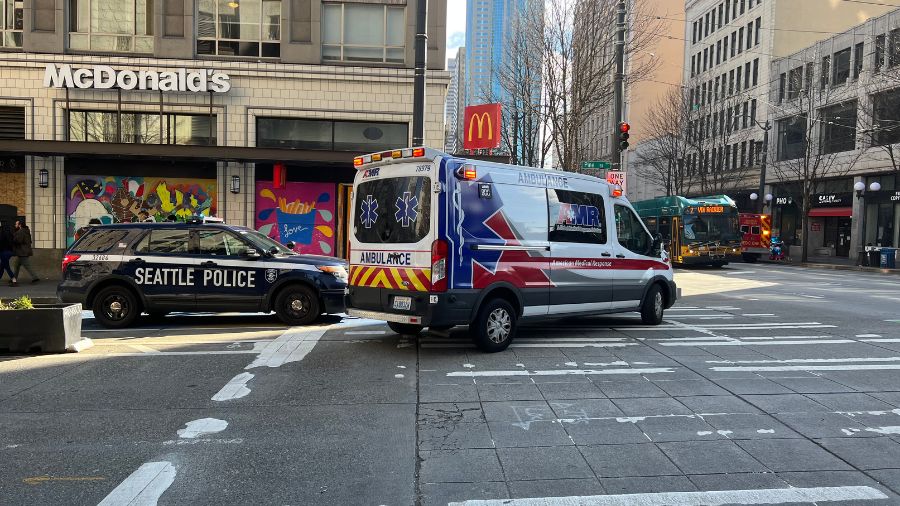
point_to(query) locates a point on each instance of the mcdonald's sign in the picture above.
(481, 127)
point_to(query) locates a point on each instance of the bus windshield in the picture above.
(711, 228)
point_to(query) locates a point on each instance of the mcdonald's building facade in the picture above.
(481, 127)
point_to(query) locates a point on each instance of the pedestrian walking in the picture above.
(23, 252)
(6, 252)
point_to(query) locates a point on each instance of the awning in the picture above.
(844, 212)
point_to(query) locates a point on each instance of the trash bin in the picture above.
(874, 257)
(888, 260)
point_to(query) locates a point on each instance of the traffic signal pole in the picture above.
(619, 84)
(421, 50)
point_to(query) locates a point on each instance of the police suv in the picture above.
(122, 270)
(438, 241)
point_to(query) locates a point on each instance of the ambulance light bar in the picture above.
(395, 154)
(617, 191)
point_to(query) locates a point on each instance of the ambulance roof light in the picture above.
(617, 191)
(467, 172)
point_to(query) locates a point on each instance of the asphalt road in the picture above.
(766, 384)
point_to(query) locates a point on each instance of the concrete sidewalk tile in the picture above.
(621, 389)
(787, 403)
(546, 463)
(690, 387)
(525, 434)
(591, 432)
(448, 393)
(440, 494)
(888, 477)
(746, 386)
(457, 412)
(737, 481)
(842, 479)
(743, 426)
(708, 457)
(555, 488)
(813, 385)
(651, 406)
(517, 411)
(508, 392)
(824, 425)
(851, 402)
(660, 429)
(454, 436)
(866, 453)
(584, 408)
(628, 460)
(718, 404)
(782, 455)
(643, 485)
(578, 390)
(467, 465)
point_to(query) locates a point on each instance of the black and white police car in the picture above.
(122, 270)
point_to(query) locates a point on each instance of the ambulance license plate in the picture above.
(403, 303)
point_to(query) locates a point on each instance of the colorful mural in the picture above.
(299, 212)
(126, 199)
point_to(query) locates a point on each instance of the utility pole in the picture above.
(619, 83)
(762, 169)
(418, 136)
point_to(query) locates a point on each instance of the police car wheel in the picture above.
(405, 329)
(495, 326)
(115, 307)
(654, 304)
(297, 305)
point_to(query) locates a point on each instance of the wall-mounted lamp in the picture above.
(768, 197)
(43, 178)
(235, 184)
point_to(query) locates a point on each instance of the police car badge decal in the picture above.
(271, 275)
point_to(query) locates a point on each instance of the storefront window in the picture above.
(356, 32)
(239, 28)
(358, 136)
(11, 21)
(142, 128)
(121, 26)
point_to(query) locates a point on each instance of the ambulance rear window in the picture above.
(393, 210)
(99, 240)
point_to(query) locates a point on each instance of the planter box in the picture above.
(49, 328)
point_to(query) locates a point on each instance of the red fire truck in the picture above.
(756, 235)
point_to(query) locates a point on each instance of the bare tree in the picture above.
(661, 158)
(815, 139)
(879, 116)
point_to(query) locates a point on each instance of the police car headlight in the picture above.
(337, 271)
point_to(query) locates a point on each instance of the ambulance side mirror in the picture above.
(251, 254)
(657, 244)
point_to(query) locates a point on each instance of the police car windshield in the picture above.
(264, 243)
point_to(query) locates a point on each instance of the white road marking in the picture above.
(765, 431)
(806, 360)
(398, 376)
(711, 498)
(365, 332)
(292, 346)
(559, 372)
(234, 389)
(739, 272)
(759, 343)
(202, 427)
(868, 335)
(758, 314)
(143, 487)
(885, 340)
(179, 353)
(847, 367)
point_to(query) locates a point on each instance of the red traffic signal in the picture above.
(624, 127)
(623, 135)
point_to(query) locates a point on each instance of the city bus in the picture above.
(696, 231)
(756, 235)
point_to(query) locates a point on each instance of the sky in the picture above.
(456, 26)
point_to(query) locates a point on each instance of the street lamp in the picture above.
(860, 188)
(765, 151)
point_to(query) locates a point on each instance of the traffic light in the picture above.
(623, 135)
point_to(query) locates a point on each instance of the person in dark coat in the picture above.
(6, 251)
(23, 251)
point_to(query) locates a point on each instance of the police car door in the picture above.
(226, 280)
(634, 266)
(580, 250)
(163, 268)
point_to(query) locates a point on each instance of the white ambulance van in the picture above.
(438, 241)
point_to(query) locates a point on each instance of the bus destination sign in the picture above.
(705, 210)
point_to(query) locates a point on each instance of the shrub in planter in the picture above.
(49, 328)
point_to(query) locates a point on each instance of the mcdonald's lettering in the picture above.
(482, 126)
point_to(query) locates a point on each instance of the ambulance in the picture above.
(439, 241)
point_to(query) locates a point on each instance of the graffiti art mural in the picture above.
(299, 212)
(127, 199)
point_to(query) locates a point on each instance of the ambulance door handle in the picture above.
(620, 256)
(208, 263)
(605, 254)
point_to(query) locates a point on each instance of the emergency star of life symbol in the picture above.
(368, 208)
(406, 209)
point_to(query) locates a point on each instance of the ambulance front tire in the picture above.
(116, 307)
(297, 305)
(405, 329)
(654, 304)
(495, 326)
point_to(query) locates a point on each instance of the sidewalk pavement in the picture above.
(833, 263)
(43, 291)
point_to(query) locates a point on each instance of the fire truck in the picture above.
(756, 235)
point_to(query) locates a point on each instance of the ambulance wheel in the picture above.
(495, 326)
(652, 310)
(405, 329)
(115, 307)
(297, 305)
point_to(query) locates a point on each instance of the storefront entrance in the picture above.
(837, 233)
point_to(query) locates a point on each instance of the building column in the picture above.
(857, 234)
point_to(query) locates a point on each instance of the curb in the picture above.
(837, 267)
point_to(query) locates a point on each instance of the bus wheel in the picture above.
(405, 329)
(495, 326)
(652, 310)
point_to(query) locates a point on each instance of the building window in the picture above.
(720, 16)
(142, 128)
(808, 86)
(725, 49)
(858, 60)
(826, 71)
(782, 80)
(838, 128)
(11, 22)
(749, 35)
(743, 2)
(744, 115)
(249, 28)
(795, 83)
(894, 47)
(792, 137)
(755, 71)
(737, 79)
(886, 128)
(879, 52)
(740, 41)
(841, 67)
(718, 52)
(363, 33)
(753, 112)
(733, 43)
(757, 28)
(360, 136)
(121, 26)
